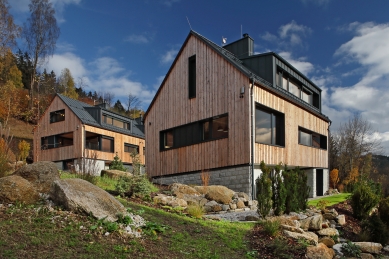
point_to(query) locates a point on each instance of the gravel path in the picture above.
(233, 216)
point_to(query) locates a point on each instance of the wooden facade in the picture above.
(218, 91)
(73, 126)
(218, 85)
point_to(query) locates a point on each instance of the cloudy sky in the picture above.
(123, 47)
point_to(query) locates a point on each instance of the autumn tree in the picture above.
(334, 177)
(40, 34)
(67, 85)
(9, 31)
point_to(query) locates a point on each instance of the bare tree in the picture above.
(133, 102)
(353, 142)
(40, 33)
(9, 31)
(108, 98)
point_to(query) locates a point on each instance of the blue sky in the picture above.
(123, 46)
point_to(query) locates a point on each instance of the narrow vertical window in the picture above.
(192, 77)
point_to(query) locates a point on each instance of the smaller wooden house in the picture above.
(224, 109)
(71, 131)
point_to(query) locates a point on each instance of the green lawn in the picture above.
(333, 199)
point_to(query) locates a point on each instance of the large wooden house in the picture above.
(71, 131)
(225, 109)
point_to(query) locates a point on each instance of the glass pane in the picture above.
(106, 145)
(294, 89)
(220, 128)
(284, 83)
(273, 123)
(305, 138)
(206, 134)
(315, 140)
(92, 143)
(169, 139)
(307, 97)
(117, 123)
(262, 127)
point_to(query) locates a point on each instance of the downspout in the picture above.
(329, 153)
(252, 139)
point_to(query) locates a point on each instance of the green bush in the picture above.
(279, 191)
(264, 191)
(350, 249)
(117, 164)
(271, 227)
(384, 210)
(375, 229)
(364, 198)
(138, 186)
(291, 185)
(196, 211)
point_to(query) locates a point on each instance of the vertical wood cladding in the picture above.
(73, 124)
(292, 154)
(218, 86)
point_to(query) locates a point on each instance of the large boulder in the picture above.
(321, 251)
(312, 238)
(40, 174)
(312, 223)
(115, 174)
(171, 201)
(14, 188)
(83, 197)
(369, 247)
(218, 193)
(180, 190)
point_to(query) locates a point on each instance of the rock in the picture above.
(170, 201)
(15, 188)
(293, 229)
(233, 206)
(40, 174)
(321, 251)
(208, 207)
(312, 223)
(341, 219)
(115, 174)
(329, 242)
(386, 248)
(218, 193)
(251, 218)
(329, 216)
(83, 197)
(369, 247)
(179, 190)
(217, 208)
(243, 195)
(309, 236)
(328, 232)
(225, 207)
(240, 205)
(367, 256)
(191, 199)
(338, 249)
(177, 202)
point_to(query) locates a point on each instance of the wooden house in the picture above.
(223, 110)
(71, 131)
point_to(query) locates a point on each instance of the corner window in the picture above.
(57, 116)
(128, 148)
(99, 142)
(192, 76)
(167, 139)
(312, 139)
(269, 126)
(215, 128)
(55, 141)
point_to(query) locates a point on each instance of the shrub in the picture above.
(264, 191)
(322, 204)
(384, 210)
(5, 152)
(138, 186)
(24, 149)
(291, 180)
(376, 229)
(271, 227)
(350, 249)
(334, 177)
(279, 191)
(364, 198)
(196, 211)
(136, 165)
(86, 168)
(117, 164)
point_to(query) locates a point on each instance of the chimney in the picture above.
(241, 48)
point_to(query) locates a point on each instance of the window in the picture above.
(307, 96)
(192, 76)
(60, 140)
(115, 122)
(57, 116)
(99, 142)
(269, 126)
(128, 148)
(194, 133)
(312, 139)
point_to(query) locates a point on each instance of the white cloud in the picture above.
(67, 60)
(293, 32)
(301, 64)
(269, 37)
(169, 56)
(137, 39)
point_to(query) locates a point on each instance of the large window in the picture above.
(115, 122)
(99, 142)
(194, 133)
(57, 116)
(60, 140)
(129, 148)
(269, 126)
(192, 76)
(312, 139)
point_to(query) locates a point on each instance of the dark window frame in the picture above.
(192, 77)
(132, 146)
(322, 138)
(57, 116)
(99, 145)
(56, 141)
(277, 121)
(111, 121)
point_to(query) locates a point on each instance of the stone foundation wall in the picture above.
(235, 178)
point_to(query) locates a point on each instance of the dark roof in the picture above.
(80, 109)
(230, 57)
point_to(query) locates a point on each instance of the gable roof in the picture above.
(80, 109)
(236, 62)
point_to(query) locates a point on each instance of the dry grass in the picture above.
(20, 129)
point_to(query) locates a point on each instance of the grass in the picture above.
(104, 182)
(331, 200)
(29, 232)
